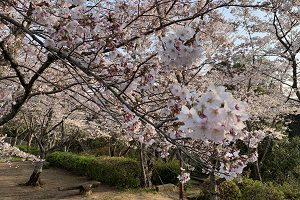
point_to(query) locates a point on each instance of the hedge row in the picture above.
(116, 171)
(29, 149)
(249, 189)
(165, 172)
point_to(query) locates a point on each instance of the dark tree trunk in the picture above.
(213, 187)
(257, 171)
(30, 137)
(213, 182)
(124, 153)
(150, 166)
(15, 141)
(35, 178)
(181, 196)
(144, 174)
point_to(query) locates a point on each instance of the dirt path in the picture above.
(19, 172)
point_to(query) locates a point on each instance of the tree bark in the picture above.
(30, 138)
(15, 140)
(150, 166)
(213, 183)
(257, 171)
(213, 186)
(35, 178)
(181, 172)
(142, 164)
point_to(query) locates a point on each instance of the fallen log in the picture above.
(84, 188)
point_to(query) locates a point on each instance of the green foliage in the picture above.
(256, 190)
(70, 161)
(250, 189)
(200, 195)
(29, 149)
(290, 190)
(165, 172)
(115, 171)
(283, 161)
(119, 171)
(229, 190)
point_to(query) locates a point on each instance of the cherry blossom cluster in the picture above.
(131, 121)
(234, 164)
(163, 148)
(79, 24)
(184, 177)
(213, 116)
(185, 173)
(145, 134)
(218, 119)
(181, 48)
(224, 160)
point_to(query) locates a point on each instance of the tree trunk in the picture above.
(15, 140)
(257, 171)
(181, 172)
(124, 153)
(30, 138)
(213, 182)
(34, 179)
(110, 148)
(150, 166)
(213, 186)
(142, 164)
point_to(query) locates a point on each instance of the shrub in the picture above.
(256, 190)
(283, 161)
(229, 190)
(29, 149)
(118, 171)
(290, 190)
(115, 171)
(70, 161)
(165, 172)
(201, 195)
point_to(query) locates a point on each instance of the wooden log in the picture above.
(84, 188)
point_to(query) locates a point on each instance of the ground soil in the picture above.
(19, 172)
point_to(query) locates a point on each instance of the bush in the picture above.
(201, 195)
(70, 161)
(29, 149)
(283, 161)
(290, 190)
(165, 172)
(229, 190)
(115, 171)
(118, 171)
(256, 190)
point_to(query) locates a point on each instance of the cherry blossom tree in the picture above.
(144, 63)
(47, 114)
